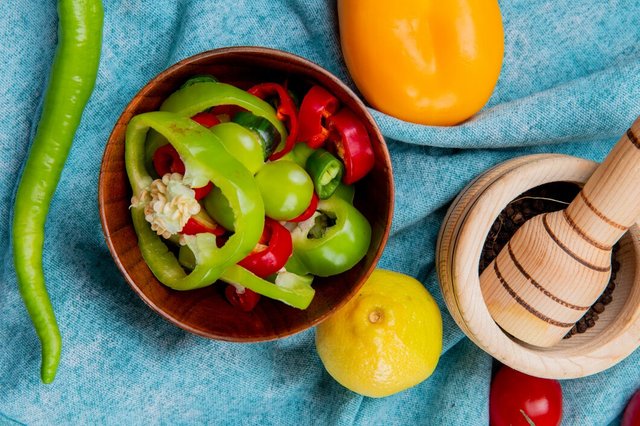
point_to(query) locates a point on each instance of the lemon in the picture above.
(386, 339)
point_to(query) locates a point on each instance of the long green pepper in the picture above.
(71, 82)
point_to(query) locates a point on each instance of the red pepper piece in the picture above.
(206, 119)
(272, 254)
(350, 141)
(228, 110)
(309, 211)
(202, 223)
(245, 301)
(203, 191)
(286, 112)
(167, 160)
(317, 105)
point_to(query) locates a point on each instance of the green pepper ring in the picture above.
(198, 97)
(204, 155)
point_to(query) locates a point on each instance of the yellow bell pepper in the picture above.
(428, 62)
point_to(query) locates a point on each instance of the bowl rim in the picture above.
(502, 184)
(314, 69)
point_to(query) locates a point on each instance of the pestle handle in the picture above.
(609, 203)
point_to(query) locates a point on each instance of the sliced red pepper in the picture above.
(272, 253)
(317, 105)
(206, 119)
(245, 301)
(350, 141)
(202, 223)
(203, 191)
(167, 160)
(286, 112)
(313, 206)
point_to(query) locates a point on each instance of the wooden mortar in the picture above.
(557, 264)
(617, 332)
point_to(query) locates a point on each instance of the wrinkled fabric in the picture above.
(570, 83)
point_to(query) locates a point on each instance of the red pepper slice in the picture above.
(202, 223)
(228, 110)
(350, 142)
(317, 105)
(313, 206)
(272, 253)
(203, 191)
(167, 160)
(245, 301)
(206, 119)
(286, 112)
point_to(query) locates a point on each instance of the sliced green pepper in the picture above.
(205, 160)
(216, 204)
(200, 96)
(186, 258)
(295, 265)
(291, 289)
(325, 171)
(199, 79)
(334, 240)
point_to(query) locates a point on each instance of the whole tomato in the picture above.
(631, 415)
(519, 399)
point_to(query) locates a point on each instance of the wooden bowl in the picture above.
(205, 311)
(459, 247)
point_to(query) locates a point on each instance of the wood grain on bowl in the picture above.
(206, 312)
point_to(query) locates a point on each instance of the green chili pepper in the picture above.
(291, 289)
(205, 160)
(188, 101)
(333, 240)
(325, 171)
(71, 82)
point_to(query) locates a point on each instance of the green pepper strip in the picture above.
(188, 101)
(205, 160)
(325, 171)
(73, 75)
(293, 290)
(340, 247)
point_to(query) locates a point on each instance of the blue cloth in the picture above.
(570, 83)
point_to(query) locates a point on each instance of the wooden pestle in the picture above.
(558, 264)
